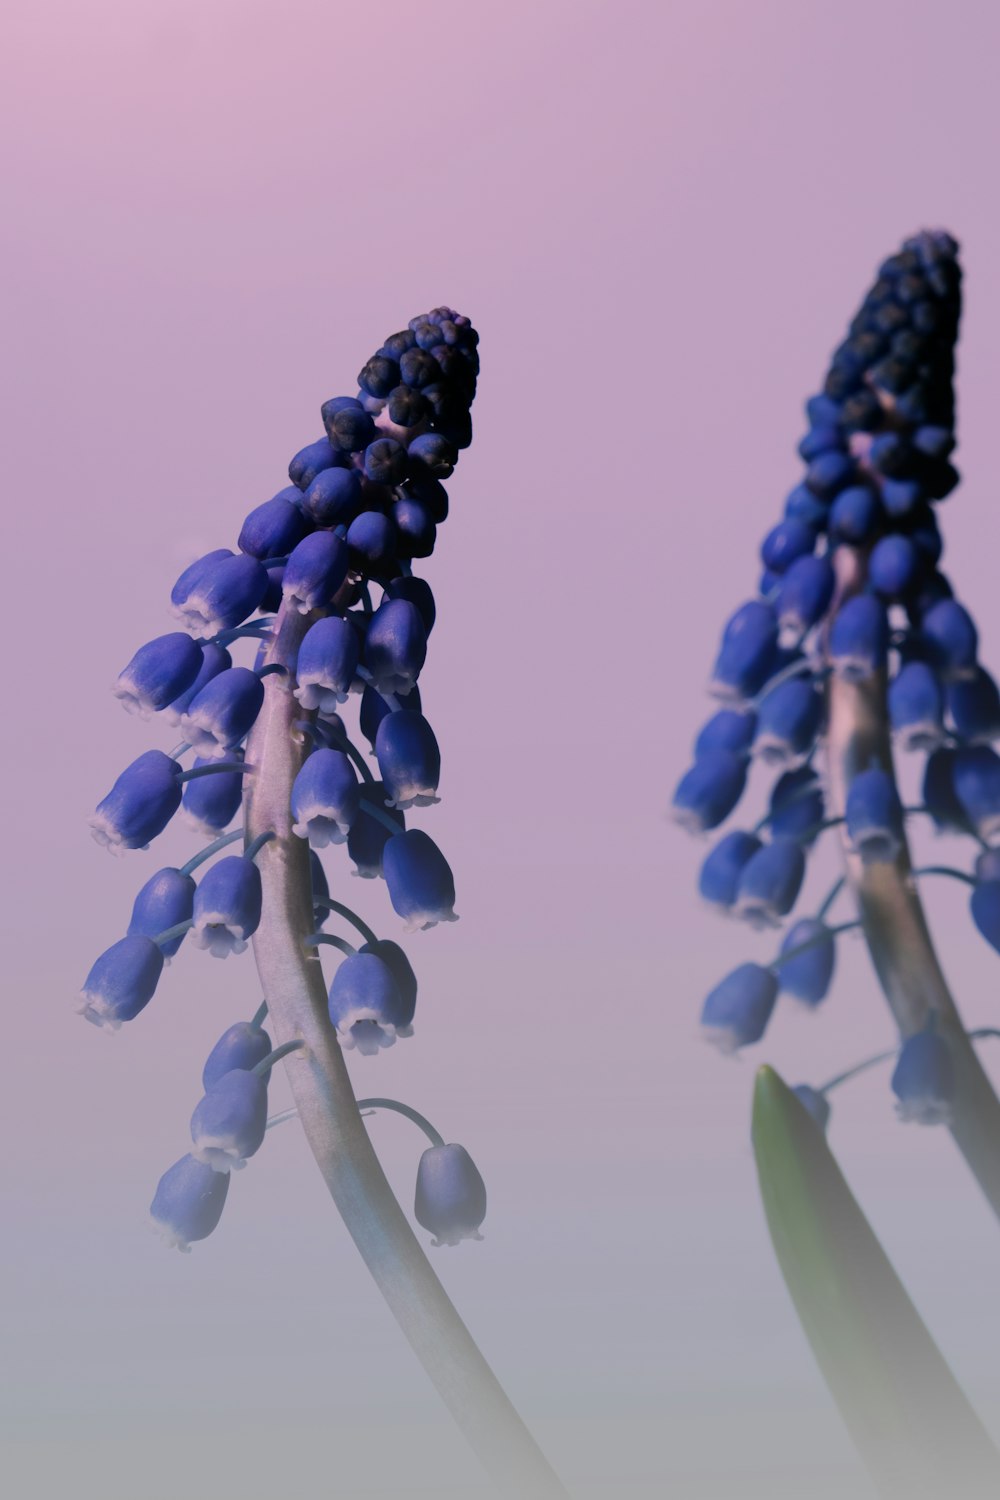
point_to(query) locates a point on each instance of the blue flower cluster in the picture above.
(852, 589)
(364, 500)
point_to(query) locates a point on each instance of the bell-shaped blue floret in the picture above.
(450, 1200)
(951, 639)
(419, 880)
(808, 975)
(815, 1102)
(374, 709)
(272, 529)
(325, 798)
(223, 712)
(165, 900)
(416, 531)
(121, 982)
(311, 460)
(795, 807)
(392, 955)
(975, 778)
(730, 729)
(140, 804)
(334, 497)
(395, 646)
(874, 816)
(938, 792)
(859, 638)
(218, 591)
(895, 566)
(746, 655)
(315, 570)
(371, 545)
(785, 543)
(214, 659)
(227, 906)
(723, 866)
(708, 792)
(735, 1014)
(327, 662)
(788, 721)
(924, 1079)
(408, 758)
(369, 836)
(974, 705)
(418, 592)
(770, 883)
(916, 707)
(211, 802)
(241, 1046)
(365, 1004)
(158, 673)
(803, 597)
(188, 1202)
(229, 1121)
(855, 515)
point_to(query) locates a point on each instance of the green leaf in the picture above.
(912, 1424)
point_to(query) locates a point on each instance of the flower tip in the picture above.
(95, 1010)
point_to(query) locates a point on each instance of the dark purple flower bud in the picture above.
(407, 407)
(229, 1121)
(747, 652)
(770, 883)
(418, 592)
(895, 566)
(227, 906)
(325, 798)
(188, 1202)
(785, 543)
(974, 705)
(808, 975)
(709, 791)
(450, 1200)
(140, 804)
(334, 497)
(371, 544)
(218, 592)
(327, 663)
(312, 460)
(122, 982)
(212, 802)
(723, 865)
(214, 659)
(430, 492)
(395, 646)
(901, 496)
(924, 1080)
(975, 778)
(938, 794)
(223, 712)
(795, 808)
(409, 759)
(830, 473)
(730, 729)
(369, 836)
(374, 709)
(735, 1014)
(242, 1046)
(802, 505)
(416, 532)
(385, 461)
(379, 376)
(788, 721)
(874, 817)
(820, 440)
(859, 638)
(158, 673)
(936, 442)
(951, 639)
(273, 529)
(349, 428)
(165, 900)
(419, 880)
(916, 707)
(434, 453)
(804, 597)
(314, 572)
(365, 1004)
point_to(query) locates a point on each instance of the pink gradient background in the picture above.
(661, 217)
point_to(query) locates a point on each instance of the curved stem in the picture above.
(891, 912)
(434, 1136)
(292, 980)
(325, 903)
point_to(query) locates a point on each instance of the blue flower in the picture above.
(365, 1004)
(229, 1121)
(227, 906)
(327, 663)
(164, 901)
(808, 975)
(334, 497)
(788, 720)
(419, 880)
(795, 807)
(385, 461)
(274, 528)
(916, 707)
(770, 882)
(396, 961)
(368, 836)
(950, 637)
(974, 705)
(325, 798)
(311, 460)
(874, 816)
(416, 531)
(895, 566)
(374, 709)
(121, 982)
(218, 591)
(140, 804)
(212, 802)
(785, 543)
(975, 779)
(408, 759)
(315, 570)
(349, 427)
(709, 791)
(450, 1201)
(188, 1202)
(723, 865)
(938, 792)
(735, 1014)
(730, 729)
(371, 545)
(214, 659)
(223, 713)
(434, 452)
(241, 1046)
(815, 1102)
(859, 638)
(746, 656)
(856, 515)
(418, 592)
(803, 597)
(158, 673)
(924, 1079)
(395, 646)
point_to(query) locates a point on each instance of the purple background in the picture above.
(661, 217)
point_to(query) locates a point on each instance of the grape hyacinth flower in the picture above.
(450, 1196)
(188, 1202)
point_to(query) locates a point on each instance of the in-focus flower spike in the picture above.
(975, 778)
(210, 803)
(395, 646)
(723, 866)
(419, 880)
(710, 790)
(230, 1119)
(795, 808)
(223, 713)
(874, 816)
(788, 721)
(916, 707)
(859, 638)
(218, 591)
(803, 597)
(158, 673)
(951, 639)
(770, 882)
(227, 906)
(924, 1079)
(450, 1200)
(121, 982)
(809, 974)
(365, 1004)
(214, 659)
(188, 1202)
(166, 900)
(325, 798)
(368, 836)
(314, 572)
(974, 705)
(409, 759)
(735, 1014)
(241, 1046)
(140, 804)
(746, 655)
(273, 529)
(327, 663)
(730, 729)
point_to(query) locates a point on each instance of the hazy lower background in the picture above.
(661, 217)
